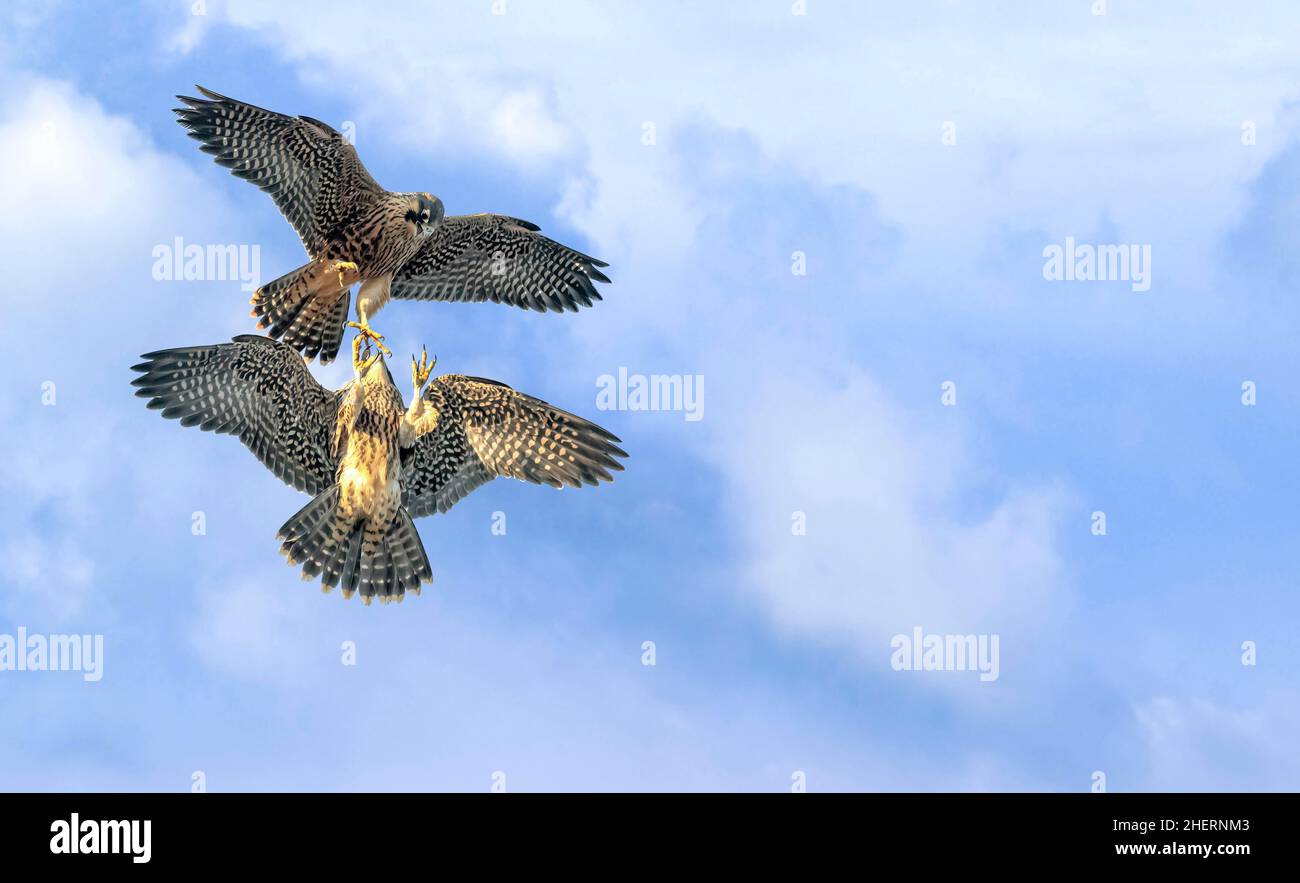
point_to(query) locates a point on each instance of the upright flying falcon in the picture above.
(370, 463)
(394, 244)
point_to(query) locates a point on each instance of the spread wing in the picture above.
(310, 170)
(499, 259)
(486, 429)
(257, 389)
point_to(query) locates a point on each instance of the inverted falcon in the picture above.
(370, 463)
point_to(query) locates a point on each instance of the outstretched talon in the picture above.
(421, 370)
(364, 329)
(342, 267)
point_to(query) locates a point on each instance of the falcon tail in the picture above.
(337, 548)
(308, 308)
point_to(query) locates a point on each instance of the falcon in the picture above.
(395, 244)
(371, 463)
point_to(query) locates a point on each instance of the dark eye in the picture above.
(424, 215)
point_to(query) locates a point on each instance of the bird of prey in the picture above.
(370, 463)
(394, 244)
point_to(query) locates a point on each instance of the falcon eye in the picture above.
(424, 215)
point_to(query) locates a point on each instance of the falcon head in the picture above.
(425, 211)
(374, 369)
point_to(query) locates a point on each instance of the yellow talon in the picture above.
(364, 330)
(361, 362)
(342, 267)
(421, 370)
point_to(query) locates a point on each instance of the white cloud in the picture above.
(184, 39)
(44, 580)
(906, 524)
(83, 199)
(992, 74)
(526, 129)
(1199, 745)
(1035, 99)
(883, 549)
(883, 552)
(86, 197)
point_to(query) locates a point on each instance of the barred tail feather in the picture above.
(277, 302)
(306, 308)
(344, 553)
(320, 538)
(317, 329)
(410, 561)
(398, 563)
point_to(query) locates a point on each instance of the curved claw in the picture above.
(362, 358)
(364, 330)
(420, 370)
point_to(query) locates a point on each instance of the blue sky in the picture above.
(1169, 125)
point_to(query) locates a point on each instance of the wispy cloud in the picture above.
(837, 221)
